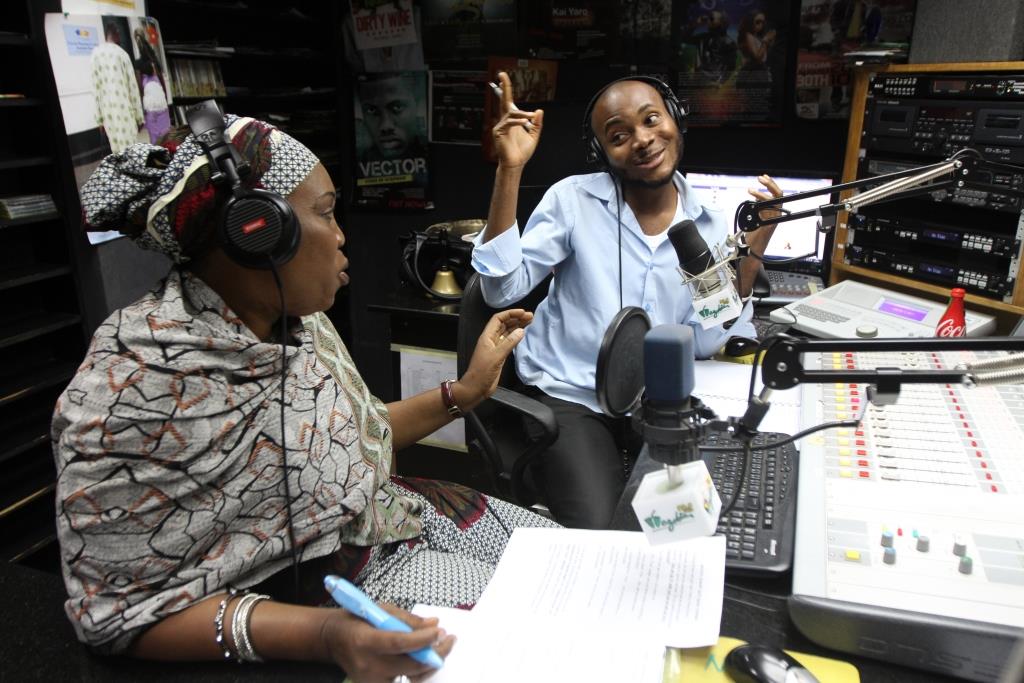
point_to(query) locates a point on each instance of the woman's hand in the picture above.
(516, 133)
(503, 331)
(370, 655)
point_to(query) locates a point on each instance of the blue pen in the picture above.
(356, 602)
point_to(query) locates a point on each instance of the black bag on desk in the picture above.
(425, 252)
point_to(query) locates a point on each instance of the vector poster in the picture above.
(391, 141)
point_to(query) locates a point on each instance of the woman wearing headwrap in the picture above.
(171, 477)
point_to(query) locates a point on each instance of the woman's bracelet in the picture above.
(218, 622)
(240, 627)
(449, 399)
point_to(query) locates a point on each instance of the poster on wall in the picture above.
(112, 84)
(403, 56)
(124, 8)
(382, 24)
(391, 141)
(830, 30)
(468, 29)
(457, 106)
(577, 29)
(730, 59)
(644, 32)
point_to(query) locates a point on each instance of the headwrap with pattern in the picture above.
(161, 195)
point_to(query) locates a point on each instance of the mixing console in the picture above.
(910, 528)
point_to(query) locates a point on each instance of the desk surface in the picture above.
(412, 301)
(38, 643)
(755, 608)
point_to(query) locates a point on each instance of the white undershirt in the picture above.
(653, 241)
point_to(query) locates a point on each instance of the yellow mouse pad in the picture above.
(743, 360)
(708, 664)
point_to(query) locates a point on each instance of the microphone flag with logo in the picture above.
(710, 279)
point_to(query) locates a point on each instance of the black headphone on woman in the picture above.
(676, 109)
(256, 228)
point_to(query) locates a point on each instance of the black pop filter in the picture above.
(620, 362)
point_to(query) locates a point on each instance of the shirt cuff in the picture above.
(499, 256)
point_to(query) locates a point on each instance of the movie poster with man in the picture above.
(391, 141)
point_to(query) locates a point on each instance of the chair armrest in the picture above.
(531, 408)
(545, 418)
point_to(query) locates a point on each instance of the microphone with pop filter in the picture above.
(710, 279)
(619, 379)
(678, 501)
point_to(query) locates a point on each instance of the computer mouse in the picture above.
(760, 664)
(740, 346)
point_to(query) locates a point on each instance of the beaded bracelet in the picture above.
(218, 622)
(240, 623)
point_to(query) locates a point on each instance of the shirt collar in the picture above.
(602, 186)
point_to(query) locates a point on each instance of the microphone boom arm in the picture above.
(961, 168)
(782, 365)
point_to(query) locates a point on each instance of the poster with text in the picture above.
(563, 29)
(831, 28)
(382, 24)
(112, 85)
(391, 141)
(397, 57)
(730, 59)
(466, 29)
(457, 106)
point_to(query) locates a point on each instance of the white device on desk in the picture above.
(909, 533)
(853, 309)
(788, 287)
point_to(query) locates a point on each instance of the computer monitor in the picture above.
(798, 239)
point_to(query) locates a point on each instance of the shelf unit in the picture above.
(1006, 313)
(42, 339)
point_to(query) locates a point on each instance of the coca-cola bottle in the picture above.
(952, 323)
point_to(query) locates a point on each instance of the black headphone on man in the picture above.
(675, 108)
(256, 228)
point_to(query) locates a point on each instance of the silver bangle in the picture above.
(240, 623)
(218, 622)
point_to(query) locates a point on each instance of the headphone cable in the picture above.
(618, 223)
(284, 442)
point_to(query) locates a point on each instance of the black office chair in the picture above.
(495, 429)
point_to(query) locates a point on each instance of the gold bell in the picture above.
(444, 282)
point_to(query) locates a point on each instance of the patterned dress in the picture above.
(118, 104)
(171, 466)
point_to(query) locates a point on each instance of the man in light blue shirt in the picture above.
(604, 237)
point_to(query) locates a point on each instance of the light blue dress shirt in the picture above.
(574, 232)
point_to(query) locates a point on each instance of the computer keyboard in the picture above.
(760, 528)
(766, 328)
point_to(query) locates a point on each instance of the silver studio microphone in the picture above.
(707, 273)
